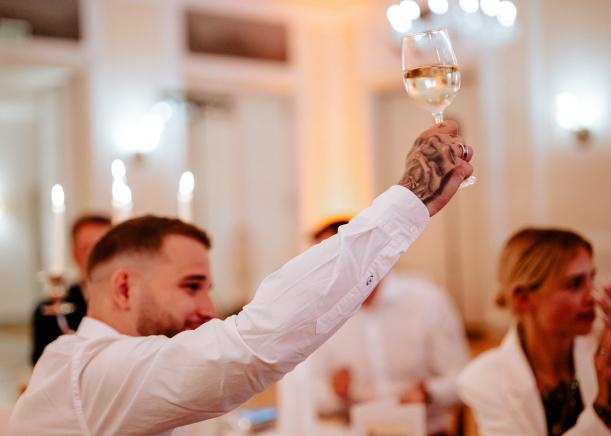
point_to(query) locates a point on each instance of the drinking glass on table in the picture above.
(430, 73)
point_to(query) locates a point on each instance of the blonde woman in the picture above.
(551, 374)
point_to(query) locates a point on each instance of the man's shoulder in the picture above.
(72, 349)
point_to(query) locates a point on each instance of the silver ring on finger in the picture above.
(465, 151)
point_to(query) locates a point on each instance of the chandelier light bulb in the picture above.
(469, 6)
(399, 18)
(490, 7)
(507, 13)
(438, 6)
(412, 9)
(391, 13)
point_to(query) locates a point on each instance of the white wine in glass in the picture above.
(433, 87)
(430, 73)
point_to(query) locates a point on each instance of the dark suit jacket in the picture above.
(45, 328)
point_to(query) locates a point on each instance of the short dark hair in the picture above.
(143, 235)
(83, 220)
(332, 226)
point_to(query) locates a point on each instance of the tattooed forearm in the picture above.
(428, 168)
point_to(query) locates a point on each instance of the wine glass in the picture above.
(430, 73)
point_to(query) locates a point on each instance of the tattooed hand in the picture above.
(435, 166)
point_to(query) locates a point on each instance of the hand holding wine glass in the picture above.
(430, 74)
(436, 165)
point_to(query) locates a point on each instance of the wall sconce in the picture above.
(142, 136)
(575, 115)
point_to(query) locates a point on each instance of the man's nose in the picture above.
(206, 308)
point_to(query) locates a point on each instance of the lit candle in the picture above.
(185, 196)
(58, 229)
(121, 194)
(121, 201)
(117, 168)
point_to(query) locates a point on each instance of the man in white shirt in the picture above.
(407, 342)
(150, 358)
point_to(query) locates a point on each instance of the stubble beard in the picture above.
(154, 320)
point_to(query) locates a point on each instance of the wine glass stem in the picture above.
(438, 117)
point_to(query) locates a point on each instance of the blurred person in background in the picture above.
(407, 342)
(47, 326)
(150, 356)
(552, 373)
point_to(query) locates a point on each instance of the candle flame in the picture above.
(186, 184)
(118, 169)
(57, 196)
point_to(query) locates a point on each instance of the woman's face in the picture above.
(564, 306)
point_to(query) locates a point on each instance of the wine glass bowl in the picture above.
(430, 70)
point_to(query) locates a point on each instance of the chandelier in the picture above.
(471, 23)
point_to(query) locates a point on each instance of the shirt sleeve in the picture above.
(153, 384)
(324, 286)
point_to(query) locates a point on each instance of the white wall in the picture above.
(244, 158)
(19, 259)
(34, 103)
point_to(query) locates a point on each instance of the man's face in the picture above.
(175, 289)
(84, 240)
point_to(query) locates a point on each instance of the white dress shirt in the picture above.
(411, 332)
(501, 389)
(99, 382)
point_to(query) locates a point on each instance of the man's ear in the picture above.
(122, 284)
(522, 299)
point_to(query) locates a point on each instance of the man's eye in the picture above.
(192, 287)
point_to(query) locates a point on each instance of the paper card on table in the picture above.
(388, 418)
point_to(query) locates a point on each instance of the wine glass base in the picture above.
(468, 182)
